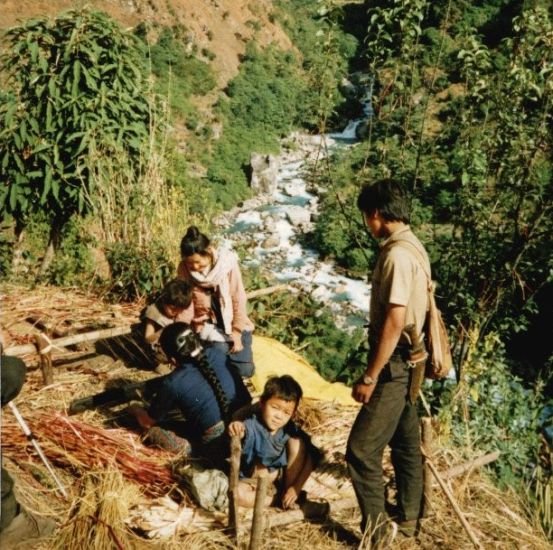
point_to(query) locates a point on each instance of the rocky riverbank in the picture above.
(269, 225)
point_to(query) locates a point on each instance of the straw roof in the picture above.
(112, 477)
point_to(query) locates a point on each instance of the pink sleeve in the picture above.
(240, 320)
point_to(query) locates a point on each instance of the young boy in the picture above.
(173, 301)
(272, 444)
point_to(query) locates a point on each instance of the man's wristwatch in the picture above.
(368, 380)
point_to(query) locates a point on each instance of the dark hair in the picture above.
(176, 293)
(284, 387)
(178, 341)
(388, 197)
(194, 242)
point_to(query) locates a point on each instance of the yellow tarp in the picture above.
(273, 358)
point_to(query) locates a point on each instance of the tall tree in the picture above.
(75, 85)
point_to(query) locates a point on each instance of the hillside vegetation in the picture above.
(124, 122)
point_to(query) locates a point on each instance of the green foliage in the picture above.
(137, 272)
(73, 264)
(263, 104)
(481, 177)
(492, 410)
(76, 81)
(316, 30)
(179, 74)
(301, 323)
(6, 254)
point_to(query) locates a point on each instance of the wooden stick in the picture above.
(51, 328)
(470, 465)
(277, 519)
(43, 345)
(73, 339)
(426, 429)
(258, 520)
(267, 290)
(453, 502)
(294, 516)
(233, 521)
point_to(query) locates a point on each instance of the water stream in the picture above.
(269, 227)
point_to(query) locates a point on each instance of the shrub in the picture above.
(492, 410)
(179, 75)
(72, 265)
(263, 104)
(77, 84)
(137, 272)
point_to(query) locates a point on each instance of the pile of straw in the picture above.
(72, 444)
(97, 517)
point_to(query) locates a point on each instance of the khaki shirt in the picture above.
(399, 279)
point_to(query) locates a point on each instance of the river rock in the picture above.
(269, 225)
(347, 88)
(272, 241)
(264, 173)
(298, 216)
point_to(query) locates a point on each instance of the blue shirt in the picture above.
(259, 446)
(186, 388)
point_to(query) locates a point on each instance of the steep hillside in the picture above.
(221, 26)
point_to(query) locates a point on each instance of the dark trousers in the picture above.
(388, 418)
(12, 376)
(243, 360)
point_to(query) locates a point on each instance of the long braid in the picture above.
(206, 369)
(179, 341)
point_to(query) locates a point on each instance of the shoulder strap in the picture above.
(420, 258)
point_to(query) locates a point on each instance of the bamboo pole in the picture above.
(44, 348)
(279, 519)
(258, 520)
(233, 520)
(266, 291)
(112, 332)
(456, 508)
(294, 516)
(461, 469)
(70, 340)
(426, 429)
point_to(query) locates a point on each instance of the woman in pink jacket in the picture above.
(219, 299)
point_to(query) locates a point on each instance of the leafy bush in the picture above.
(179, 74)
(137, 272)
(263, 104)
(77, 84)
(492, 410)
(72, 265)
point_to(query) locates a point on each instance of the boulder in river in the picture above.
(298, 216)
(264, 173)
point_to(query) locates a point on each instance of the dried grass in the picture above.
(80, 447)
(77, 447)
(97, 517)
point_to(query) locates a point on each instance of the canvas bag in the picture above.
(439, 361)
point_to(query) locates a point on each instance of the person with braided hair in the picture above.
(202, 386)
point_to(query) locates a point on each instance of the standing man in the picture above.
(398, 298)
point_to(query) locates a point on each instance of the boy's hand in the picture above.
(237, 428)
(237, 346)
(290, 497)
